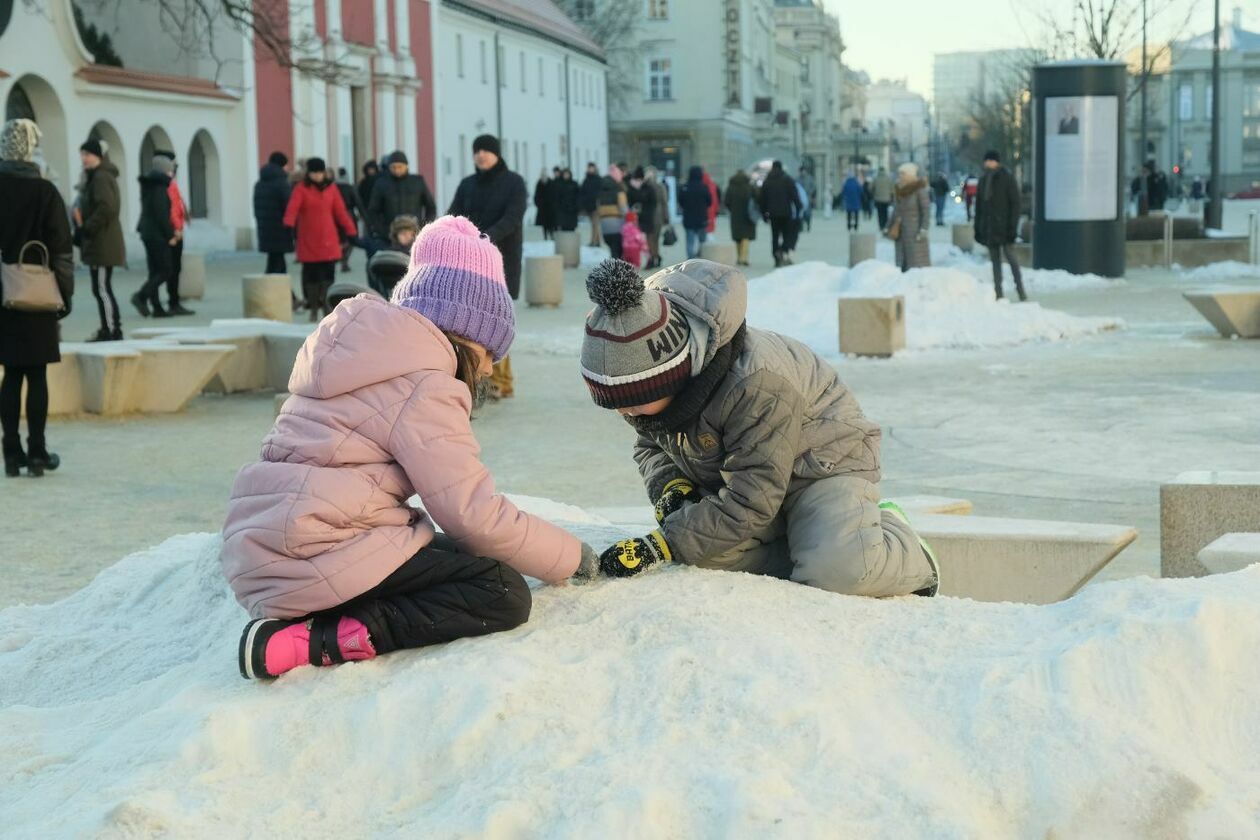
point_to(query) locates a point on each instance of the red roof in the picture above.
(105, 75)
(541, 16)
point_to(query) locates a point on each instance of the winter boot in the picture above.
(272, 646)
(141, 305)
(927, 591)
(179, 309)
(14, 459)
(159, 312)
(116, 334)
(102, 334)
(39, 460)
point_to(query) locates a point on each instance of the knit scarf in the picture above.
(687, 406)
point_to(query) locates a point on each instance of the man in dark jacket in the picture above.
(271, 197)
(494, 199)
(102, 248)
(780, 203)
(371, 171)
(158, 234)
(940, 191)
(589, 198)
(399, 193)
(997, 219)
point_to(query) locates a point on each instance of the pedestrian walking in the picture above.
(912, 216)
(179, 221)
(567, 201)
(157, 232)
(644, 196)
(660, 213)
(34, 231)
(714, 202)
(591, 186)
(316, 212)
(370, 171)
(399, 192)
(357, 211)
(544, 205)
(940, 192)
(997, 219)
(271, 199)
(102, 248)
(741, 205)
(382, 397)
(882, 196)
(970, 185)
(493, 199)
(868, 200)
(779, 202)
(851, 194)
(611, 208)
(806, 179)
(798, 224)
(694, 199)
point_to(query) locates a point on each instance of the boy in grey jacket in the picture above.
(756, 456)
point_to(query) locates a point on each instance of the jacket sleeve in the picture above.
(162, 213)
(430, 205)
(761, 440)
(295, 206)
(343, 216)
(106, 204)
(513, 214)
(655, 466)
(1015, 199)
(433, 442)
(457, 203)
(60, 246)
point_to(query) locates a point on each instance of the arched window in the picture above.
(18, 106)
(197, 201)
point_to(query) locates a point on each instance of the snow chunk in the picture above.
(1226, 270)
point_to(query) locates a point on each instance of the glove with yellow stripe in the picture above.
(676, 494)
(629, 557)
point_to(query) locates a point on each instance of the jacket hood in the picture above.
(365, 341)
(912, 187)
(107, 166)
(19, 168)
(714, 297)
(271, 172)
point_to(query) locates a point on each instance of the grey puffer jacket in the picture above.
(780, 419)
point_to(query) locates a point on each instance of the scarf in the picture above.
(18, 140)
(687, 406)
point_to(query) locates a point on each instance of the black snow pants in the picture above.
(439, 595)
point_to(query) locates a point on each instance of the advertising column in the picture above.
(1078, 123)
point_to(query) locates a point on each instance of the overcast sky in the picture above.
(901, 45)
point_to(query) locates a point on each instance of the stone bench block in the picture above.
(933, 504)
(544, 281)
(964, 237)
(107, 376)
(192, 277)
(861, 248)
(724, 253)
(1234, 312)
(569, 247)
(872, 326)
(65, 393)
(268, 296)
(1023, 560)
(1199, 507)
(1230, 553)
(282, 352)
(172, 374)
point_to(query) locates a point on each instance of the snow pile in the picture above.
(538, 248)
(978, 265)
(591, 256)
(682, 703)
(945, 307)
(1227, 270)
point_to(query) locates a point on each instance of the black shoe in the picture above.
(159, 312)
(179, 309)
(14, 462)
(40, 461)
(101, 335)
(141, 305)
(116, 334)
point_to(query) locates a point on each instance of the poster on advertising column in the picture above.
(1082, 158)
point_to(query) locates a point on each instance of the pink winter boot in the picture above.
(271, 646)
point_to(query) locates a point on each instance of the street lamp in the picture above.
(1212, 212)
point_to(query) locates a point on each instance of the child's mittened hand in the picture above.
(629, 557)
(588, 567)
(676, 494)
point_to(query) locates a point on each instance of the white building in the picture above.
(523, 72)
(902, 116)
(960, 79)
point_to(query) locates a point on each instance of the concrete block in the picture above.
(280, 400)
(268, 296)
(872, 326)
(719, 252)
(107, 375)
(1231, 311)
(544, 281)
(1023, 560)
(192, 277)
(1230, 552)
(933, 504)
(282, 350)
(172, 374)
(1199, 507)
(964, 237)
(861, 248)
(569, 247)
(65, 394)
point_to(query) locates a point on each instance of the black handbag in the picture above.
(669, 238)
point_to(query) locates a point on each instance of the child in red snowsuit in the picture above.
(633, 240)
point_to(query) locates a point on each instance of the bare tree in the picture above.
(614, 25)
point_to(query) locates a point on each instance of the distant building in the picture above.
(902, 115)
(961, 79)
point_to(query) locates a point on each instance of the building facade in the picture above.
(902, 116)
(960, 79)
(525, 73)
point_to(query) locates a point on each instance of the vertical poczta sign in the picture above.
(732, 54)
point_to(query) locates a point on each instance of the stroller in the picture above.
(385, 269)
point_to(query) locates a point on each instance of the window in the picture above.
(1251, 98)
(559, 81)
(658, 9)
(463, 150)
(544, 154)
(584, 10)
(459, 55)
(599, 92)
(501, 66)
(574, 91)
(541, 92)
(1185, 107)
(659, 83)
(1207, 103)
(484, 80)
(522, 71)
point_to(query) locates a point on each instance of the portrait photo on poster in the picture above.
(1082, 158)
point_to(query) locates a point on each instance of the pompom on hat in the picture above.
(456, 281)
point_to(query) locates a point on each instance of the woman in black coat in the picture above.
(271, 197)
(567, 201)
(32, 211)
(544, 205)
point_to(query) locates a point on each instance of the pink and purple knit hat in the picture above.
(456, 281)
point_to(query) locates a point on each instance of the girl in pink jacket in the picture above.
(320, 545)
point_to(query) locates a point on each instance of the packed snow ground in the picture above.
(946, 306)
(682, 703)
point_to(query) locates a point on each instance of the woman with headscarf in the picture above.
(34, 229)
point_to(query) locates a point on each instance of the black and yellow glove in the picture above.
(676, 494)
(629, 557)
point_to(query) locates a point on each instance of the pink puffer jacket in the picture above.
(376, 414)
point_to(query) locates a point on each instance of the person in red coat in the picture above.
(316, 212)
(713, 201)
